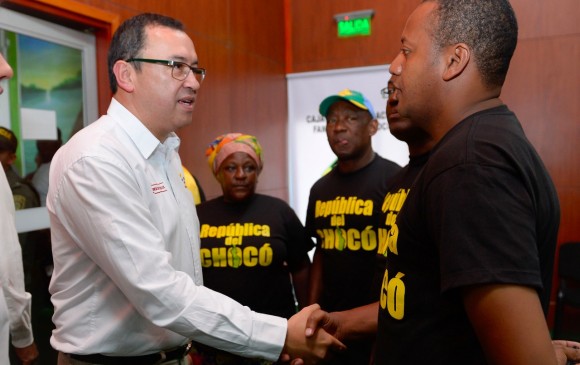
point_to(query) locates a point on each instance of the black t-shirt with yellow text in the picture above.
(344, 215)
(249, 249)
(394, 201)
(483, 210)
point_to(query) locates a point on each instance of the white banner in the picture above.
(308, 152)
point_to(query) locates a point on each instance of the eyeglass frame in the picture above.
(386, 92)
(173, 64)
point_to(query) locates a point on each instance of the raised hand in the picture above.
(322, 319)
(356, 324)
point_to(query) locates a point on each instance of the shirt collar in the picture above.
(145, 141)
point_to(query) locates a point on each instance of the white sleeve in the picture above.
(11, 271)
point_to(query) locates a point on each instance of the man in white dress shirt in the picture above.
(127, 284)
(14, 300)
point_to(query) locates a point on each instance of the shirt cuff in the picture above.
(268, 336)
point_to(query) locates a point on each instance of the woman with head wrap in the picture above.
(253, 247)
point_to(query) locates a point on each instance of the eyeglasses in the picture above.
(386, 92)
(179, 70)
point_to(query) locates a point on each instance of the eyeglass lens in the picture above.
(180, 71)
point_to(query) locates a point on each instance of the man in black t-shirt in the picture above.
(344, 213)
(470, 271)
(360, 323)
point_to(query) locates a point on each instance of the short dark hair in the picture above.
(488, 27)
(129, 39)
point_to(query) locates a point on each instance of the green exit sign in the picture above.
(354, 24)
(354, 27)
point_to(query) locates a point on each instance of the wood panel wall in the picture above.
(248, 46)
(543, 88)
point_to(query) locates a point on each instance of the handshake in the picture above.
(310, 338)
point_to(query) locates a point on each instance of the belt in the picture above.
(151, 359)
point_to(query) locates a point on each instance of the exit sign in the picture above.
(354, 27)
(354, 24)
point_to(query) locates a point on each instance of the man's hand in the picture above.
(356, 324)
(308, 350)
(322, 319)
(567, 352)
(27, 354)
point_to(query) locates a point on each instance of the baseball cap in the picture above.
(8, 141)
(352, 96)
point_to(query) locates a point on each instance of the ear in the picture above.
(373, 127)
(125, 75)
(457, 58)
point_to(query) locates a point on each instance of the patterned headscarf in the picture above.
(230, 143)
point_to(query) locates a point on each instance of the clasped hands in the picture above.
(310, 338)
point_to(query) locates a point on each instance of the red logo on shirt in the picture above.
(158, 188)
